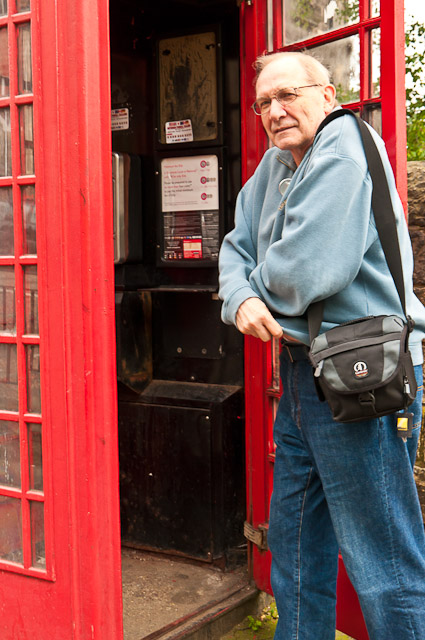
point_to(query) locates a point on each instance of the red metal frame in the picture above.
(81, 599)
(259, 397)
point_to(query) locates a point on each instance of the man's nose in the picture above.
(277, 110)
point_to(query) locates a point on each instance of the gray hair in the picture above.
(315, 71)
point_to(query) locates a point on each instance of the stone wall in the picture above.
(416, 197)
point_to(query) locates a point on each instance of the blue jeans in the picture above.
(347, 487)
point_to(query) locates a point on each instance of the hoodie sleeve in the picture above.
(237, 259)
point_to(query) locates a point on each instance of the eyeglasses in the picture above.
(283, 96)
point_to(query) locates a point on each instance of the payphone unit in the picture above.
(175, 107)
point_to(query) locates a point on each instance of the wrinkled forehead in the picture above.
(280, 74)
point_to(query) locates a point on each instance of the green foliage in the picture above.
(254, 623)
(303, 14)
(348, 12)
(415, 98)
(347, 95)
(269, 614)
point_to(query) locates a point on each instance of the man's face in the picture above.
(293, 127)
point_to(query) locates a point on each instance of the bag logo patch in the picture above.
(360, 369)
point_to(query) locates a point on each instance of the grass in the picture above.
(263, 627)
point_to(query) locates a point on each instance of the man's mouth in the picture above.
(281, 129)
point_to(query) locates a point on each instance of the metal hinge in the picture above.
(256, 536)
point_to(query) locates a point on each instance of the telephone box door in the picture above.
(357, 34)
(59, 510)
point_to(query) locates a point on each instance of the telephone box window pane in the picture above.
(5, 143)
(11, 530)
(37, 535)
(10, 456)
(373, 116)
(305, 19)
(4, 64)
(375, 8)
(8, 378)
(6, 222)
(342, 58)
(26, 139)
(376, 63)
(188, 88)
(28, 220)
(7, 301)
(31, 300)
(23, 5)
(3, 7)
(35, 460)
(33, 378)
(24, 59)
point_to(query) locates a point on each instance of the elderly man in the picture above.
(305, 232)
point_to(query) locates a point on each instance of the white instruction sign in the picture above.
(120, 119)
(190, 183)
(178, 131)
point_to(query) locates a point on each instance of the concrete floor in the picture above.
(160, 594)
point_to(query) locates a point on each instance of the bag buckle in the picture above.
(367, 400)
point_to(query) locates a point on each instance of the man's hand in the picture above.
(254, 319)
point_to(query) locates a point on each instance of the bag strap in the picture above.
(383, 212)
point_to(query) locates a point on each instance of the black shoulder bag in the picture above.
(363, 368)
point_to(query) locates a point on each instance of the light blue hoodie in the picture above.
(317, 241)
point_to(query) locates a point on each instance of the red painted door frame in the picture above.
(79, 594)
(259, 387)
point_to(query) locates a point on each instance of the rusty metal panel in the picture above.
(188, 84)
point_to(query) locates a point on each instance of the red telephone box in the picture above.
(59, 499)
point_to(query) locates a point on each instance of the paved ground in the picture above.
(159, 592)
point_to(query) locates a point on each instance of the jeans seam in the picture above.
(391, 538)
(299, 553)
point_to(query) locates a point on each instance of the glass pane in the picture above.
(10, 456)
(6, 222)
(24, 59)
(11, 529)
(26, 139)
(4, 64)
(23, 5)
(376, 63)
(8, 378)
(3, 7)
(373, 115)
(35, 457)
(37, 535)
(375, 8)
(29, 244)
(342, 58)
(7, 301)
(305, 19)
(5, 143)
(33, 378)
(31, 299)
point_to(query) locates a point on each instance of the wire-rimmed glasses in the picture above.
(283, 96)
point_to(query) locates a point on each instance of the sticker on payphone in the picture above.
(192, 248)
(189, 183)
(178, 131)
(190, 206)
(191, 235)
(120, 119)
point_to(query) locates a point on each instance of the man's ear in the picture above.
(329, 93)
